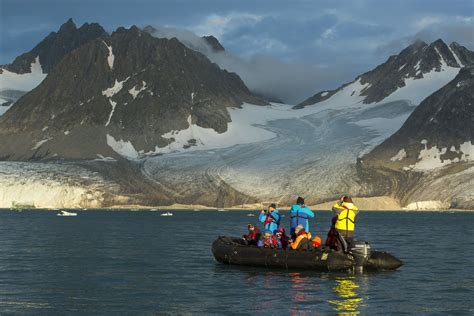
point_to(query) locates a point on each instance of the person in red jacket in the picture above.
(253, 235)
(331, 239)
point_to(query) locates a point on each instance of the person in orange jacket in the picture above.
(302, 240)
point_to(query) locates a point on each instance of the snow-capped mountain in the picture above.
(435, 146)
(192, 133)
(416, 72)
(124, 95)
(29, 69)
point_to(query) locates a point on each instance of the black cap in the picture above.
(300, 200)
(273, 205)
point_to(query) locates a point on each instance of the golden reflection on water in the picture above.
(349, 300)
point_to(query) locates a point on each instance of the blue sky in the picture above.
(348, 37)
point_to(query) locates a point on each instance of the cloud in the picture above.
(263, 74)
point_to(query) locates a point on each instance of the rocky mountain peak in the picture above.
(412, 63)
(214, 43)
(56, 45)
(127, 88)
(68, 27)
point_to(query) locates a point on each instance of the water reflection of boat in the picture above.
(348, 300)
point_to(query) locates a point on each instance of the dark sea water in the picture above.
(123, 262)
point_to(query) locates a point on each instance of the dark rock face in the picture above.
(129, 85)
(412, 62)
(214, 43)
(56, 45)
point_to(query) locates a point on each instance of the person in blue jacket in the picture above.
(270, 218)
(299, 214)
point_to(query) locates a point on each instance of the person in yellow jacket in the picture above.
(346, 212)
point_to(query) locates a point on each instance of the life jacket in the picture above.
(299, 218)
(270, 219)
(273, 241)
(254, 234)
(316, 241)
(301, 235)
(346, 219)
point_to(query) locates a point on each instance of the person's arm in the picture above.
(309, 212)
(275, 215)
(261, 217)
(337, 209)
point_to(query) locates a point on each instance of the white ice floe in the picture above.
(400, 155)
(134, 91)
(67, 133)
(110, 57)
(22, 82)
(324, 93)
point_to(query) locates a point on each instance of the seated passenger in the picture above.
(282, 237)
(269, 241)
(253, 235)
(303, 239)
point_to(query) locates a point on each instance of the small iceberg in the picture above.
(64, 213)
(196, 210)
(167, 214)
(222, 210)
(153, 210)
(250, 214)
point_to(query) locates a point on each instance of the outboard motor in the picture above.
(361, 252)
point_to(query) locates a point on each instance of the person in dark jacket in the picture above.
(253, 235)
(331, 239)
(284, 239)
(299, 215)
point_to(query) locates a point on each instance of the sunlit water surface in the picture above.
(123, 262)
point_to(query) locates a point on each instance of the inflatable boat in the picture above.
(232, 250)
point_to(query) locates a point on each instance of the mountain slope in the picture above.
(436, 142)
(120, 96)
(405, 74)
(29, 69)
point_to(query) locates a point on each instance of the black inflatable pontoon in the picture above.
(231, 250)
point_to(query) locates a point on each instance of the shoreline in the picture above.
(372, 204)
